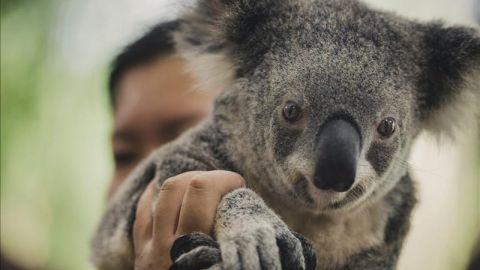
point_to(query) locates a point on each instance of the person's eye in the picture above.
(123, 159)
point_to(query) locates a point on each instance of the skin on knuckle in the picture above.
(229, 180)
(236, 179)
(200, 182)
(170, 185)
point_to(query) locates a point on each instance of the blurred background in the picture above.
(55, 127)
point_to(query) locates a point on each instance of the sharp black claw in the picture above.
(308, 252)
(286, 246)
(187, 242)
(199, 258)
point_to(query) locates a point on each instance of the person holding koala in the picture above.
(153, 103)
(321, 102)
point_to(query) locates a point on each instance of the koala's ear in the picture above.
(450, 84)
(217, 40)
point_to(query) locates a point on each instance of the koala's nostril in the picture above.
(337, 153)
(335, 180)
(335, 184)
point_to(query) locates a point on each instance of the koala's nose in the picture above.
(337, 153)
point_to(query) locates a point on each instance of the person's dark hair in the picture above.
(156, 42)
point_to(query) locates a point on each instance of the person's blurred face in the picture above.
(155, 103)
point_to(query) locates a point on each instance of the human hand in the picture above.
(185, 204)
(248, 235)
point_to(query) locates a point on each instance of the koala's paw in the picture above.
(251, 236)
(264, 248)
(194, 251)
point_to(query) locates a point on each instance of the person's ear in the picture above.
(449, 89)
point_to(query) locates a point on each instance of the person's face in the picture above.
(155, 103)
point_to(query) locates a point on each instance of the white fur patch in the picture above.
(337, 237)
(212, 70)
(459, 113)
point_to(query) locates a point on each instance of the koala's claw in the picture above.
(291, 251)
(308, 252)
(188, 242)
(194, 251)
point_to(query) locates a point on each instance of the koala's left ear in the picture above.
(450, 84)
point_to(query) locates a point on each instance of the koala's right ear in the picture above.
(450, 88)
(217, 39)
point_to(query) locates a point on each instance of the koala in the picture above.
(321, 103)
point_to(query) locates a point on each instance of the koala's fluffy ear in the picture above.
(450, 85)
(217, 39)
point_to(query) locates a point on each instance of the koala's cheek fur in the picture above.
(381, 155)
(283, 140)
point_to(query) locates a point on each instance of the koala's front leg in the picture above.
(249, 236)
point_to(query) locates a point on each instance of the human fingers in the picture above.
(168, 204)
(156, 220)
(142, 226)
(203, 194)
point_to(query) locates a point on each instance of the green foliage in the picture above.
(54, 144)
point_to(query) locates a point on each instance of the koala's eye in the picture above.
(292, 112)
(387, 127)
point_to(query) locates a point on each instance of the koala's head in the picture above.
(323, 98)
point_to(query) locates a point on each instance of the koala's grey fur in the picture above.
(333, 57)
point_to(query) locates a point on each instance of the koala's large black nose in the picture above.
(337, 153)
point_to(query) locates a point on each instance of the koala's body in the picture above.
(322, 100)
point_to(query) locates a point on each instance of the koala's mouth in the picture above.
(354, 194)
(305, 191)
(311, 196)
